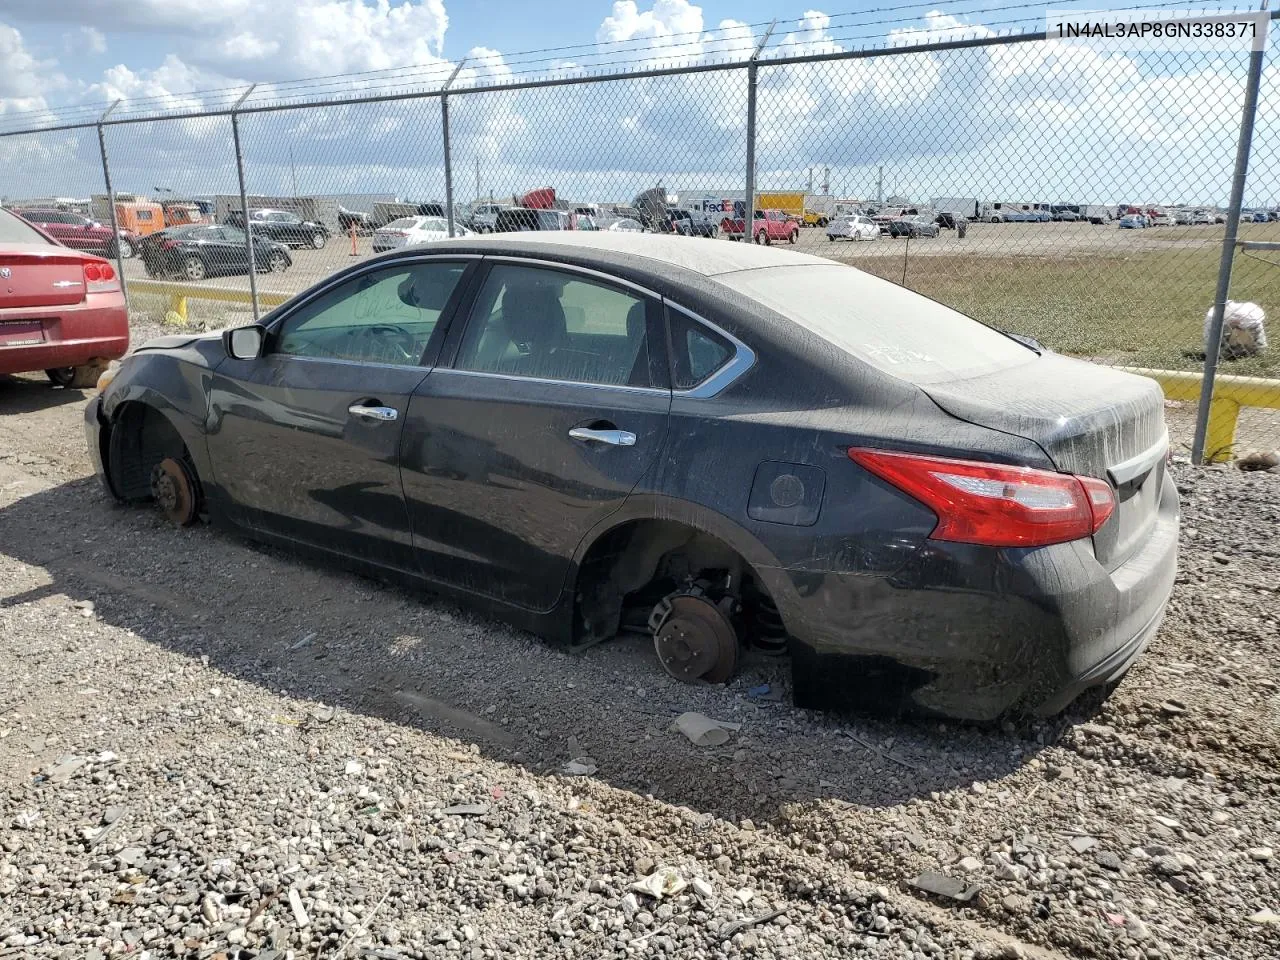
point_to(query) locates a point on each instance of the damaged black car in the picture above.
(722, 445)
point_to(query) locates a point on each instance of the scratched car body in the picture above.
(720, 445)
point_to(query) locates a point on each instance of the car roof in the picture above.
(693, 254)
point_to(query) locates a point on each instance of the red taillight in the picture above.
(994, 504)
(100, 277)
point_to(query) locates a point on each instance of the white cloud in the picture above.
(274, 40)
(1019, 121)
(85, 39)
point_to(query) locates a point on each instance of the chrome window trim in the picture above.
(743, 359)
(294, 357)
(655, 391)
(573, 268)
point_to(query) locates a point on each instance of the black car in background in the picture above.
(916, 225)
(357, 220)
(688, 223)
(721, 445)
(198, 250)
(283, 226)
(521, 219)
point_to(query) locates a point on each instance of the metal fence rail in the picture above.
(994, 133)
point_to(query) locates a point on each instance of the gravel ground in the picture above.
(209, 749)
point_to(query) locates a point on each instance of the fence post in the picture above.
(244, 201)
(448, 150)
(111, 203)
(1232, 229)
(749, 208)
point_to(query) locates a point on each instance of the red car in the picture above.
(61, 311)
(81, 232)
(771, 226)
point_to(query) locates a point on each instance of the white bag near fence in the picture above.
(1243, 330)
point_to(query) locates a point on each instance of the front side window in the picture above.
(384, 316)
(544, 324)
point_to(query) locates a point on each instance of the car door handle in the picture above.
(614, 438)
(373, 413)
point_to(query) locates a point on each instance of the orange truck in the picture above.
(140, 216)
(177, 214)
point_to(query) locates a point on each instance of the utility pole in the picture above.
(293, 172)
(244, 200)
(477, 179)
(880, 185)
(826, 181)
(749, 213)
(448, 150)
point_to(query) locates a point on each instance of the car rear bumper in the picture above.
(73, 335)
(973, 633)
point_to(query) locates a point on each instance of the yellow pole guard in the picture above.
(195, 291)
(1230, 393)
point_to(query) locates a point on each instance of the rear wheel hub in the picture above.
(695, 641)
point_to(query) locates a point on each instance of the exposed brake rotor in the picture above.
(695, 640)
(174, 491)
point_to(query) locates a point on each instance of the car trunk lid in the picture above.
(1089, 420)
(39, 275)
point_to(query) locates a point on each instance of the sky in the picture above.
(1041, 122)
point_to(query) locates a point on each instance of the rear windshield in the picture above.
(404, 223)
(893, 329)
(14, 230)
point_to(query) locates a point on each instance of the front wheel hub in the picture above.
(174, 491)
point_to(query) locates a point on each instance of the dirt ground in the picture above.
(209, 749)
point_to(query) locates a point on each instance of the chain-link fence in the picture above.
(1095, 201)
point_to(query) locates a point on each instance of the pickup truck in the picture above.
(770, 226)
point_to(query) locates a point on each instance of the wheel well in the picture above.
(141, 437)
(636, 564)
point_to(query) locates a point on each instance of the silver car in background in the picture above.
(853, 228)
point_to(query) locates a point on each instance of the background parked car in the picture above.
(206, 250)
(80, 232)
(853, 228)
(408, 231)
(484, 216)
(917, 225)
(519, 219)
(62, 311)
(282, 226)
(357, 219)
(689, 223)
(770, 226)
(1133, 221)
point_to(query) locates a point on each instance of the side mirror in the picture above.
(245, 343)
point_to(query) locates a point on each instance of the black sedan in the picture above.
(720, 445)
(196, 251)
(917, 225)
(283, 226)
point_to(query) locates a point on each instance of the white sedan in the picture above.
(409, 231)
(853, 228)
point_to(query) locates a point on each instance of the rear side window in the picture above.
(902, 333)
(14, 230)
(548, 325)
(698, 352)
